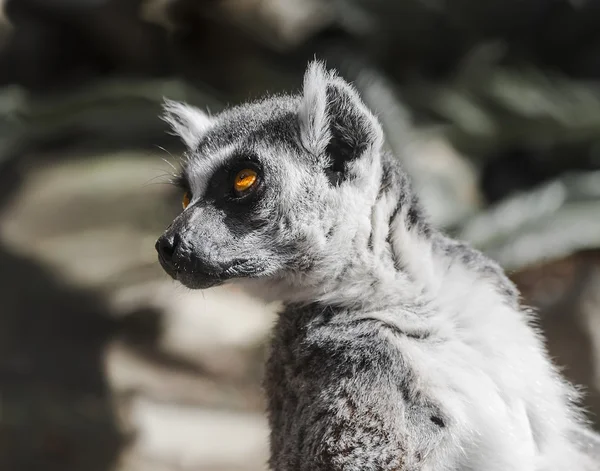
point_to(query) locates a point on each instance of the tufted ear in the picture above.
(334, 122)
(188, 122)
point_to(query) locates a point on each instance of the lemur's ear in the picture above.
(188, 122)
(334, 122)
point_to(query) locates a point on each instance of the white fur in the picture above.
(201, 168)
(188, 122)
(314, 121)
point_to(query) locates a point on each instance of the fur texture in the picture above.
(398, 349)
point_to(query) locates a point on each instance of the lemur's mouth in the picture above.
(203, 279)
(191, 279)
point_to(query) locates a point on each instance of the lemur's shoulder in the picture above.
(444, 251)
(477, 263)
(344, 396)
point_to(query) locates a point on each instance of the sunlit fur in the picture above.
(398, 348)
(187, 122)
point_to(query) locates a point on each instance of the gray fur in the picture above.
(398, 349)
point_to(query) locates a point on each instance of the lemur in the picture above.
(397, 348)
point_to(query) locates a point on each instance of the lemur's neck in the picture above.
(393, 263)
(397, 259)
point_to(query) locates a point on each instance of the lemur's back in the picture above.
(399, 349)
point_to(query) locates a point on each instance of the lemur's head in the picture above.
(274, 190)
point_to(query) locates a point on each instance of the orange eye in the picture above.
(244, 180)
(185, 202)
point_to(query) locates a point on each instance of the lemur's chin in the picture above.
(197, 282)
(191, 280)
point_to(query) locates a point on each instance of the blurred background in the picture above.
(105, 363)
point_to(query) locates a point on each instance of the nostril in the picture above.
(168, 249)
(166, 246)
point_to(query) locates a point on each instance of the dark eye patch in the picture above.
(239, 212)
(220, 186)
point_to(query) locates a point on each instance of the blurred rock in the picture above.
(55, 399)
(551, 222)
(196, 439)
(179, 365)
(446, 181)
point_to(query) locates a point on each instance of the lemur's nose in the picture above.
(166, 246)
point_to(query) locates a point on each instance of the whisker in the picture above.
(169, 181)
(165, 173)
(169, 164)
(165, 160)
(157, 183)
(164, 150)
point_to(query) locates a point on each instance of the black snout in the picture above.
(199, 250)
(180, 262)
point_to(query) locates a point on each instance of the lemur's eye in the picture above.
(244, 181)
(185, 202)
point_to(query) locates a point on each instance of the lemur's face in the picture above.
(264, 186)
